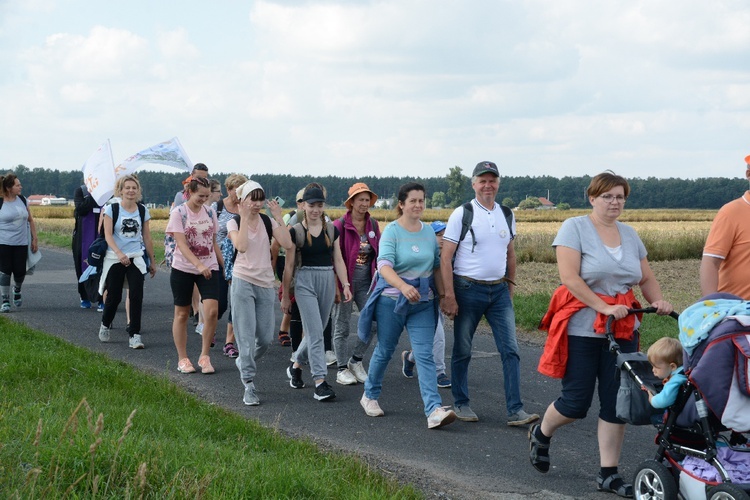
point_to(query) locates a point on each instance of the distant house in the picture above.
(46, 200)
(384, 203)
(546, 204)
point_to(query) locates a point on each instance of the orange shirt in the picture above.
(729, 240)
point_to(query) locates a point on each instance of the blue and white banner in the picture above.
(168, 153)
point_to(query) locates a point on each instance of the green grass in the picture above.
(74, 423)
(530, 309)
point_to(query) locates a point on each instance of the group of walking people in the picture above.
(400, 279)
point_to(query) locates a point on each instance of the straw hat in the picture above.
(360, 187)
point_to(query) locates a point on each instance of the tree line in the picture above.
(449, 190)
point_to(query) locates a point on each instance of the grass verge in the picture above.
(75, 424)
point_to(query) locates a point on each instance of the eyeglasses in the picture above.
(609, 198)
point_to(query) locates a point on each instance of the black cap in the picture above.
(313, 195)
(485, 167)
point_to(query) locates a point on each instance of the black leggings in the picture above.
(13, 261)
(115, 278)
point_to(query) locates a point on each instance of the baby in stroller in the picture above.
(665, 356)
(694, 456)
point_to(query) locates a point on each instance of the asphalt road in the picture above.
(464, 460)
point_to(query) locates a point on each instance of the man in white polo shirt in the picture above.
(480, 283)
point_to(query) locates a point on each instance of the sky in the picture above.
(647, 88)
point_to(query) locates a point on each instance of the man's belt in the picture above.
(483, 282)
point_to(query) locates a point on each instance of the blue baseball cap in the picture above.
(438, 226)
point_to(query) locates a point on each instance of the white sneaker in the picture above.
(103, 334)
(345, 377)
(330, 358)
(135, 342)
(358, 371)
(440, 417)
(199, 329)
(371, 406)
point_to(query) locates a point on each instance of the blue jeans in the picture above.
(494, 303)
(420, 323)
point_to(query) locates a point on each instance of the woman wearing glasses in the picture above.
(196, 263)
(600, 260)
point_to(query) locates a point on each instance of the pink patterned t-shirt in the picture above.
(200, 230)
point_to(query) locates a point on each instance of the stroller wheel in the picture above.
(654, 481)
(726, 491)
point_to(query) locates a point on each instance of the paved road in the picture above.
(464, 460)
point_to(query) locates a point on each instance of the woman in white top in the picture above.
(124, 260)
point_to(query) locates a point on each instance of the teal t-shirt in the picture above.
(412, 255)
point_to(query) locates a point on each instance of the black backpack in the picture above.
(228, 252)
(468, 217)
(23, 199)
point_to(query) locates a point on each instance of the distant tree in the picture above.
(457, 186)
(508, 202)
(438, 199)
(428, 202)
(530, 203)
(563, 206)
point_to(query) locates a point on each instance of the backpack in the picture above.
(169, 242)
(300, 234)
(229, 253)
(468, 217)
(23, 199)
(99, 246)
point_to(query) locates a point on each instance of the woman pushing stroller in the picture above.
(600, 260)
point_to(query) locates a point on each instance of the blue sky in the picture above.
(405, 88)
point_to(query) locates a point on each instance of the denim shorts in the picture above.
(589, 362)
(182, 286)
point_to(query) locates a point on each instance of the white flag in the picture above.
(168, 153)
(99, 174)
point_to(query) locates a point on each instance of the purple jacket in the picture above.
(349, 241)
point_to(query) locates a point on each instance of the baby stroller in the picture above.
(694, 458)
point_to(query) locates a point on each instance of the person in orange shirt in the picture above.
(726, 255)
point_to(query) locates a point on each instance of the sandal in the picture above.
(540, 462)
(623, 489)
(230, 350)
(285, 339)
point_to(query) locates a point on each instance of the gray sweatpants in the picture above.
(253, 320)
(342, 313)
(314, 292)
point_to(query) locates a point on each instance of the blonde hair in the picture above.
(121, 183)
(667, 350)
(234, 181)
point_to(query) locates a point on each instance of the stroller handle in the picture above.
(613, 345)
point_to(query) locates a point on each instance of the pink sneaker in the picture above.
(205, 363)
(185, 366)
(440, 417)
